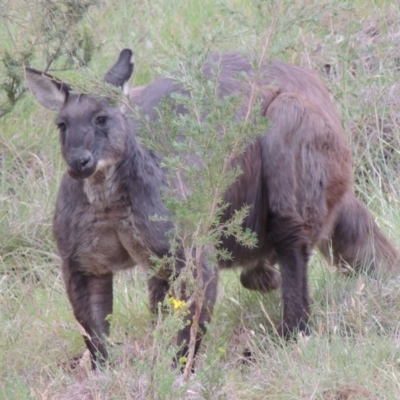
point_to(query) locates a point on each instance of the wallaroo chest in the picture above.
(101, 189)
(94, 224)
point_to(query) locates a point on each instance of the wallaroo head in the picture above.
(92, 131)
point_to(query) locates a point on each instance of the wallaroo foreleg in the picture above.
(91, 297)
(209, 294)
(158, 289)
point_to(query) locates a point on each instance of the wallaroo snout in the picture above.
(80, 163)
(296, 180)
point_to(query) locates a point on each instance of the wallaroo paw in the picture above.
(292, 333)
(263, 278)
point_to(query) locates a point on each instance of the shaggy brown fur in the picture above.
(296, 179)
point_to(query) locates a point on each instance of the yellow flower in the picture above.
(176, 304)
(182, 360)
(221, 350)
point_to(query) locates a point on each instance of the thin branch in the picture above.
(53, 58)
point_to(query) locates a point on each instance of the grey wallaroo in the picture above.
(297, 180)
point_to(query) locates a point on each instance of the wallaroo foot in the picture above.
(290, 333)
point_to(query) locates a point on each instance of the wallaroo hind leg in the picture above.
(307, 171)
(263, 277)
(293, 250)
(91, 298)
(356, 240)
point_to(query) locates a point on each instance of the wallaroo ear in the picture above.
(49, 92)
(121, 71)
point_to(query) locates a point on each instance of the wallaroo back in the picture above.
(296, 180)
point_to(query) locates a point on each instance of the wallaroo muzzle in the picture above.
(80, 164)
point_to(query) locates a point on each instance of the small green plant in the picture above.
(52, 32)
(200, 150)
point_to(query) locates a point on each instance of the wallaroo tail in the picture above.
(356, 241)
(296, 181)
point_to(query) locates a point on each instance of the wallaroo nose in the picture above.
(85, 161)
(80, 162)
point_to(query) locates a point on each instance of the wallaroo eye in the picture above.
(101, 120)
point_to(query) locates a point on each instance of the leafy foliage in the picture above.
(53, 32)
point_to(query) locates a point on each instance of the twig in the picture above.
(198, 297)
(54, 56)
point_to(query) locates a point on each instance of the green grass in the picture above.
(354, 350)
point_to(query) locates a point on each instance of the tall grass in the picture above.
(354, 350)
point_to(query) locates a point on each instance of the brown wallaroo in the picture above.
(297, 180)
